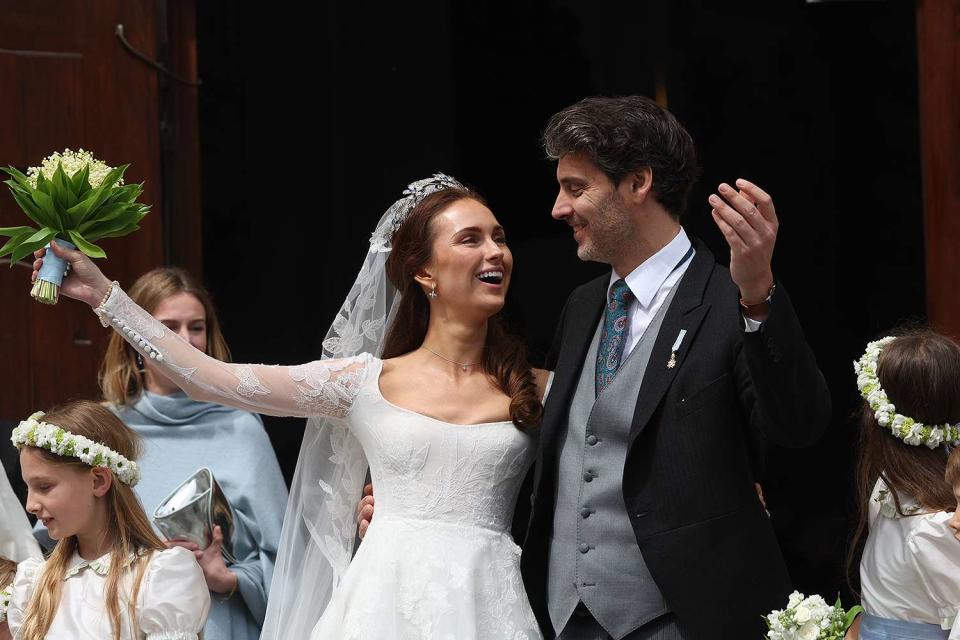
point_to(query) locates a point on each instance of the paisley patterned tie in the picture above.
(612, 334)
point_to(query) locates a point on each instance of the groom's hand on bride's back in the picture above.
(365, 511)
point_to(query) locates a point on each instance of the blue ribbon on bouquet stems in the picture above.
(47, 287)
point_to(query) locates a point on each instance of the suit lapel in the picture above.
(583, 316)
(686, 312)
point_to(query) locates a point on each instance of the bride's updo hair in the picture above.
(504, 356)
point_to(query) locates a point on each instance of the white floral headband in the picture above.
(902, 427)
(43, 435)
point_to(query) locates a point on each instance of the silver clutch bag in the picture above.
(193, 509)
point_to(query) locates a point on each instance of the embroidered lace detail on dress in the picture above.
(250, 384)
(135, 317)
(325, 387)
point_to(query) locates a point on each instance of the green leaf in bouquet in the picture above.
(110, 212)
(14, 231)
(127, 193)
(41, 182)
(26, 248)
(30, 208)
(63, 197)
(121, 232)
(83, 245)
(47, 207)
(111, 178)
(15, 241)
(20, 179)
(81, 181)
(88, 208)
(115, 229)
(46, 232)
(63, 193)
(126, 215)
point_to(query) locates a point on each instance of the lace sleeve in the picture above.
(322, 387)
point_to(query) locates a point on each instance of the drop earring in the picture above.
(140, 363)
(433, 293)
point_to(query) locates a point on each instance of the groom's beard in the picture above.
(610, 231)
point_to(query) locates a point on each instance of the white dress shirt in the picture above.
(172, 605)
(910, 569)
(651, 283)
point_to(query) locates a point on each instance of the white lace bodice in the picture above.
(421, 467)
(426, 468)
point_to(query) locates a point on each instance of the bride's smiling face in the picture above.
(471, 263)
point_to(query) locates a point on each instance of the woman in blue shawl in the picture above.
(182, 435)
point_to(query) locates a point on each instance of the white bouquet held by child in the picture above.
(810, 618)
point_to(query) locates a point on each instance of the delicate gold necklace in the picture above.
(463, 366)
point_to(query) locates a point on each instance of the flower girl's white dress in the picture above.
(438, 561)
(910, 569)
(172, 603)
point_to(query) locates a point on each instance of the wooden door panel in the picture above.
(66, 81)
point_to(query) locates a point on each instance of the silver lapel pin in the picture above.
(672, 362)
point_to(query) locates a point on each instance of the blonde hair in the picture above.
(121, 381)
(127, 522)
(8, 570)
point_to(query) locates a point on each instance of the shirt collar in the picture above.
(647, 279)
(100, 566)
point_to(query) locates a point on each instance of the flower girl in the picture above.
(110, 576)
(910, 560)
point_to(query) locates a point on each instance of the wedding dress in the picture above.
(438, 561)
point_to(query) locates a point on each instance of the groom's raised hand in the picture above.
(748, 221)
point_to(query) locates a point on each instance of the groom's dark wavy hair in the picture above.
(919, 372)
(623, 135)
(505, 356)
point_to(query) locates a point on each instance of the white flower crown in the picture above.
(902, 427)
(43, 435)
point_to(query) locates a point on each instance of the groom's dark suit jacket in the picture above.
(688, 482)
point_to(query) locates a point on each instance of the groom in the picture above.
(645, 521)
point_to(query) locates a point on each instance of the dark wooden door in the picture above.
(938, 56)
(66, 81)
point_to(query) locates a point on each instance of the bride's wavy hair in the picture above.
(504, 357)
(919, 372)
(133, 535)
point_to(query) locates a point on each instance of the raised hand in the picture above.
(748, 221)
(84, 282)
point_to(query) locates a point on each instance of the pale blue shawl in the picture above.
(181, 435)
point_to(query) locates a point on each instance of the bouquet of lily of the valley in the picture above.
(76, 200)
(810, 618)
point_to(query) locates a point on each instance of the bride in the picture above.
(419, 381)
